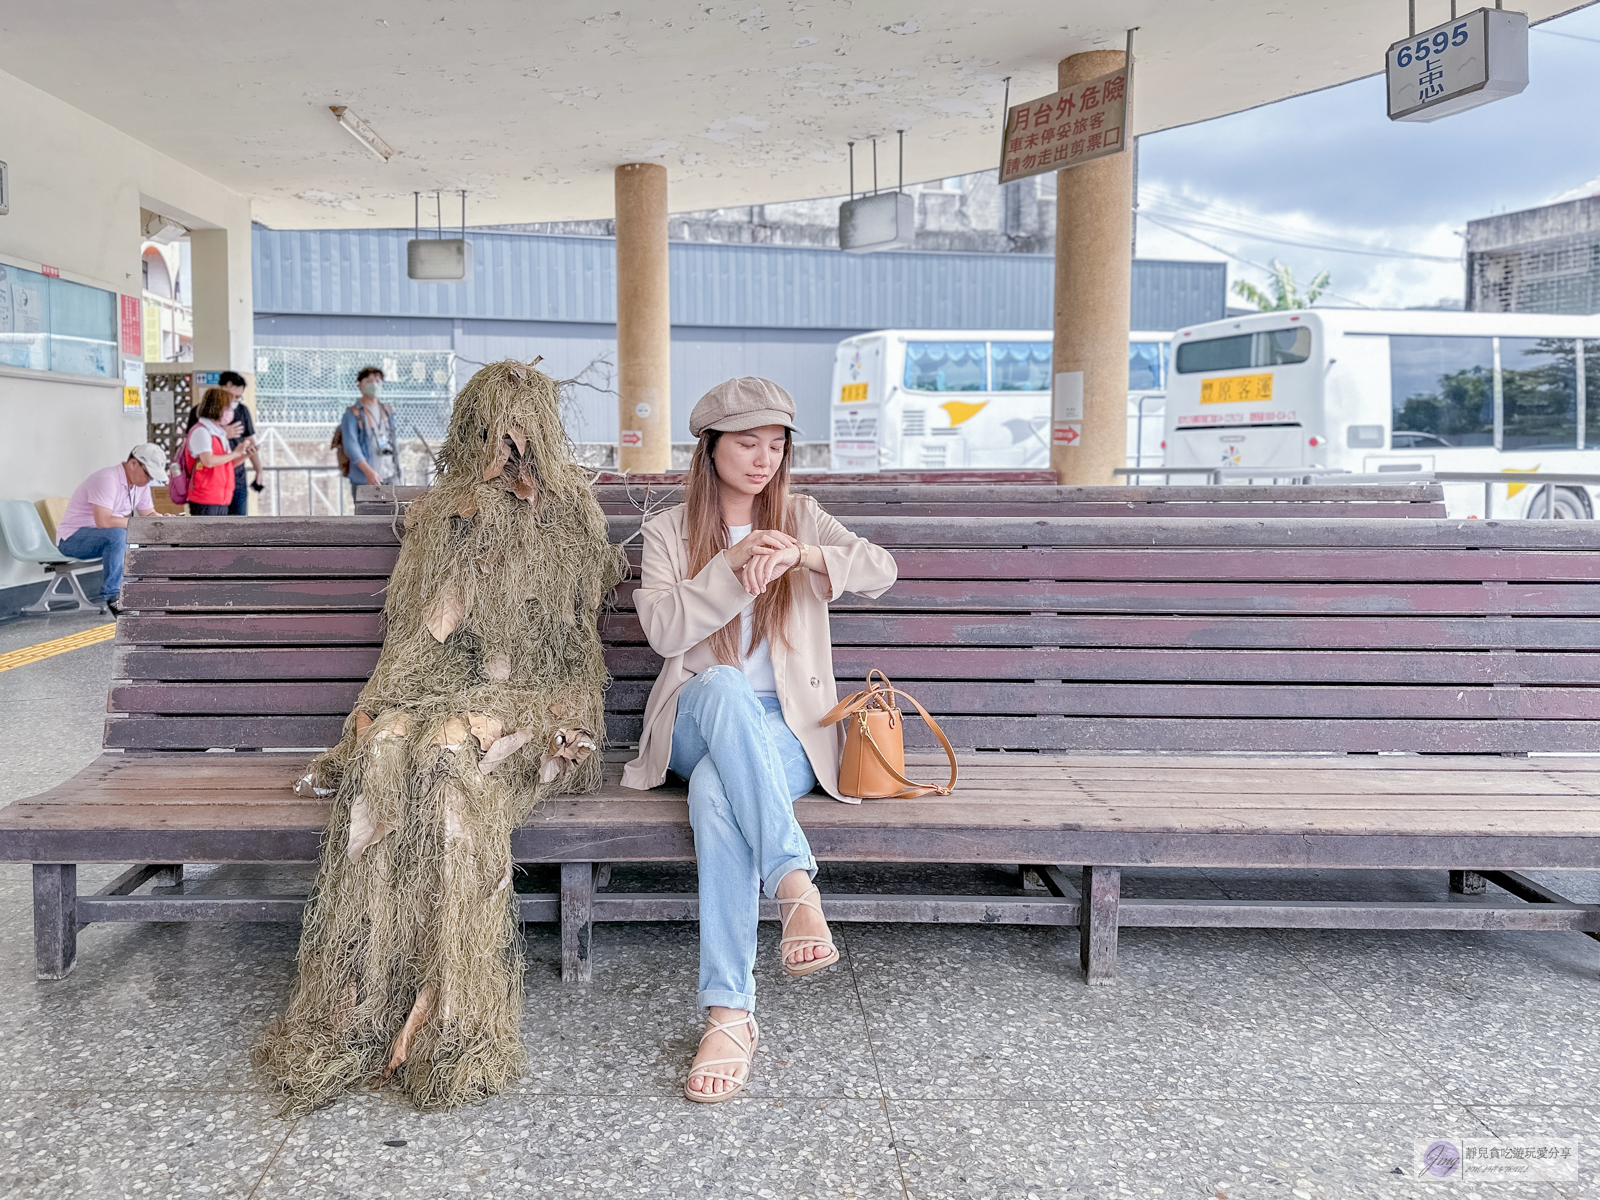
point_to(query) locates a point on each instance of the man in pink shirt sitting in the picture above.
(95, 524)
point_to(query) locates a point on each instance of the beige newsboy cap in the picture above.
(745, 403)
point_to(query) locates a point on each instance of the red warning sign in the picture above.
(1068, 435)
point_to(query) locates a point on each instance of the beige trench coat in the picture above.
(679, 614)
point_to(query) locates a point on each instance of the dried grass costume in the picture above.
(486, 699)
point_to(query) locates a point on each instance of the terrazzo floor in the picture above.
(934, 1062)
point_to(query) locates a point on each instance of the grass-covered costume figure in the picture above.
(487, 698)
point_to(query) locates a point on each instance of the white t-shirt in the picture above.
(757, 665)
(200, 438)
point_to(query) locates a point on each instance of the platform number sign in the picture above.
(1461, 64)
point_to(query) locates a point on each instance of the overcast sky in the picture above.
(1332, 170)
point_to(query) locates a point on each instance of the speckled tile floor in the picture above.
(954, 1062)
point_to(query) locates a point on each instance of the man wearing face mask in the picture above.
(367, 441)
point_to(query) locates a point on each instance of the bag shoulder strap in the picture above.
(855, 703)
(918, 789)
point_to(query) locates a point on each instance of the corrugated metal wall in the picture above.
(737, 310)
(1172, 295)
(529, 277)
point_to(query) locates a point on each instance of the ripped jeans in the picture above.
(745, 769)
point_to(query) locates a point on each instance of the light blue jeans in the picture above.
(745, 769)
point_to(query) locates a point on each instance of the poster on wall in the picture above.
(22, 308)
(132, 384)
(132, 325)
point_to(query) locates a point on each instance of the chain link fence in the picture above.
(301, 391)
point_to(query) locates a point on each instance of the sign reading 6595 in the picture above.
(1465, 62)
(1438, 43)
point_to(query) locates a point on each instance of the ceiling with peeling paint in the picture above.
(530, 105)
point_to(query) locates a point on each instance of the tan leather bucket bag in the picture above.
(873, 765)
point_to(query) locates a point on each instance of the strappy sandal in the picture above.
(732, 1077)
(811, 898)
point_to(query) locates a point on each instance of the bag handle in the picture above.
(873, 693)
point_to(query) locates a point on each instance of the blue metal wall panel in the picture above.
(1172, 295)
(526, 277)
(521, 277)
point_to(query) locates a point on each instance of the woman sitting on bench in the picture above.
(734, 595)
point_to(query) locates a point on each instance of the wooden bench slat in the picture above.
(880, 629)
(257, 595)
(943, 698)
(1043, 733)
(851, 664)
(311, 732)
(947, 697)
(1219, 632)
(261, 562)
(830, 489)
(235, 696)
(1264, 564)
(975, 532)
(910, 664)
(999, 507)
(293, 664)
(1571, 599)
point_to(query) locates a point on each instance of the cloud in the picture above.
(1331, 171)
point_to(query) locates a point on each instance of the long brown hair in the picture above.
(707, 536)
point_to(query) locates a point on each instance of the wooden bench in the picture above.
(1013, 499)
(1204, 693)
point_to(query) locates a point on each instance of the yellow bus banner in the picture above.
(1236, 389)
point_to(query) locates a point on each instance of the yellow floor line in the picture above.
(60, 645)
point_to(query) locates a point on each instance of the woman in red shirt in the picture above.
(211, 477)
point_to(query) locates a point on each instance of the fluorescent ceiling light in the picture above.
(361, 131)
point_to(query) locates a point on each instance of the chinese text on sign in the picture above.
(1087, 120)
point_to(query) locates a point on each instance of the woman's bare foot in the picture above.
(730, 1043)
(803, 920)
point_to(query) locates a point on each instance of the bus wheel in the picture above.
(1569, 505)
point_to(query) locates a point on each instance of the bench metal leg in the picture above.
(53, 592)
(55, 918)
(1097, 923)
(1467, 883)
(577, 920)
(166, 875)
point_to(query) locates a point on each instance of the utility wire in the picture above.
(1263, 231)
(1249, 262)
(1577, 37)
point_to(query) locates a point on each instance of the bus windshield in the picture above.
(1274, 348)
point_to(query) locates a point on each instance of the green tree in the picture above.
(1285, 292)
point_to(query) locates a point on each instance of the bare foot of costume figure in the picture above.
(488, 697)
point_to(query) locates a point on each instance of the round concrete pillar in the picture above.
(1094, 281)
(644, 321)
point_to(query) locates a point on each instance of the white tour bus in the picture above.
(1373, 391)
(922, 399)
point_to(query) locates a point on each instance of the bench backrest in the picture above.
(1044, 634)
(1012, 499)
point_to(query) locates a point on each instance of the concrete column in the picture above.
(1094, 281)
(217, 326)
(644, 321)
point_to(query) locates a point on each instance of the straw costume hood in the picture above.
(487, 698)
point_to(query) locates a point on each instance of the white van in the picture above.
(922, 399)
(1374, 391)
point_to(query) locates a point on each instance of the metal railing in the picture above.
(316, 487)
(1306, 475)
